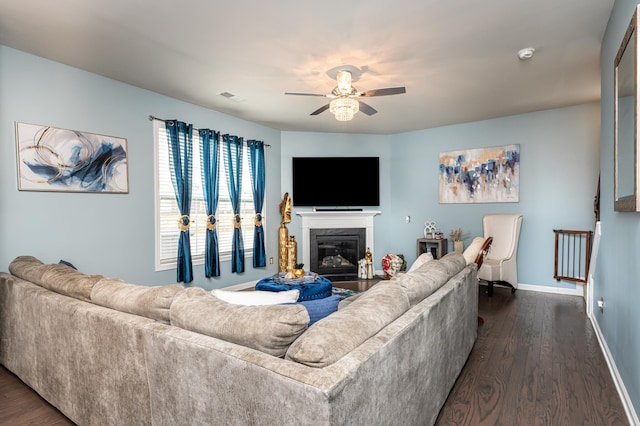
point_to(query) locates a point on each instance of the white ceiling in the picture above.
(457, 58)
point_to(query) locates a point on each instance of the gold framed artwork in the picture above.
(63, 160)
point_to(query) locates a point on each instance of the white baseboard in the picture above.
(555, 290)
(242, 286)
(546, 289)
(632, 415)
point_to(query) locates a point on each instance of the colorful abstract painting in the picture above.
(53, 159)
(483, 175)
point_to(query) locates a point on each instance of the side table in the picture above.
(437, 247)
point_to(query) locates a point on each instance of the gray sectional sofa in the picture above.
(104, 351)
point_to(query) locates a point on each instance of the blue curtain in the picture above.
(209, 154)
(233, 151)
(256, 160)
(179, 139)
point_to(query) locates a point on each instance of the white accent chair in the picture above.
(499, 266)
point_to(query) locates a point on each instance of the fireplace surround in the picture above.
(336, 220)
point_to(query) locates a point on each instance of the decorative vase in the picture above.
(458, 246)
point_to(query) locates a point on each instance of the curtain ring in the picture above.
(257, 220)
(237, 220)
(184, 222)
(212, 223)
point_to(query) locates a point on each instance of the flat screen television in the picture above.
(336, 181)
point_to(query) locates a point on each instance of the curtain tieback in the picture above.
(237, 220)
(257, 220)
(184, 222)
(212, 223)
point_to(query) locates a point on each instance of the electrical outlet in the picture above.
(271, 261)
(407, 219)
(601, 304)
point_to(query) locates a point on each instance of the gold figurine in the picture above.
(283, 232)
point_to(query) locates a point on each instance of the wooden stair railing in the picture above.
(572, 255)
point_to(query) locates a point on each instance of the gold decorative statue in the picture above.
(283, 232)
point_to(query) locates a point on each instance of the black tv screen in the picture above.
(336, 181)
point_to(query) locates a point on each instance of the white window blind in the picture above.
(167, 213)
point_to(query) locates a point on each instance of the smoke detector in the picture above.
(526, 53)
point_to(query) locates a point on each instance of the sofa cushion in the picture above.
(150, 302)
(257, 298)
(269, 329)
(28, 268)
(430, 276)
(454, 262)
(65, 280)
(338, 334)
(56, 277)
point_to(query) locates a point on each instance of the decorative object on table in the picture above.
(458, 244)
(369, 263)
(430, 228)
(283, 232)
(362, 269)
(312, 286)
(438, 235)
(292, 252)
(298, 271)
(484, 175)
(391, 264)
(54, 159)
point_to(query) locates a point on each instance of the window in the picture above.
(167, 212)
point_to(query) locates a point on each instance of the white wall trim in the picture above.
(555, 290)
(242, 286)
(547, 289)
(632, 415)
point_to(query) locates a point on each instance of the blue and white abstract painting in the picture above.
(483, 175)
(54, 159)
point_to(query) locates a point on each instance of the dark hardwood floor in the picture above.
(537, 361)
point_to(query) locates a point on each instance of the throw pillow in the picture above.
(257, 298)
(421, 260)
(269, 329)
(320, 308)
(472, 251)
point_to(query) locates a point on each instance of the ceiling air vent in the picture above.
(232, 96)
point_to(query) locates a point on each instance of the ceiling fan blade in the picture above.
(320, 110)
(367, 109)
(384, 92)
(305, 94)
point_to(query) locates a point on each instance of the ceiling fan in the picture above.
(345, 97)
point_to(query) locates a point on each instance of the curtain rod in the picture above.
(151, 118)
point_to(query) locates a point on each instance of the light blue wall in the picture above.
(558, 175)
(103, 233)
(617, 268)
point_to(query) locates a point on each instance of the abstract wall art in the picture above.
(483, 175)
(54, 159)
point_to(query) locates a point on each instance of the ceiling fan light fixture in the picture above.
(344, 82)
(344, 108)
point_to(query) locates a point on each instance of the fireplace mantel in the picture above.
(333, 220)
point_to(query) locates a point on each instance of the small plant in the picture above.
(456, 234)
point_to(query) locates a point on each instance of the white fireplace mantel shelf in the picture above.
(332, 220)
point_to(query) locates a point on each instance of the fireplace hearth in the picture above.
(335, 252)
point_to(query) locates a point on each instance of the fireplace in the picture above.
(334, 253)
(337, 220)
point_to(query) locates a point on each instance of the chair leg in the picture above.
(490, 285)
